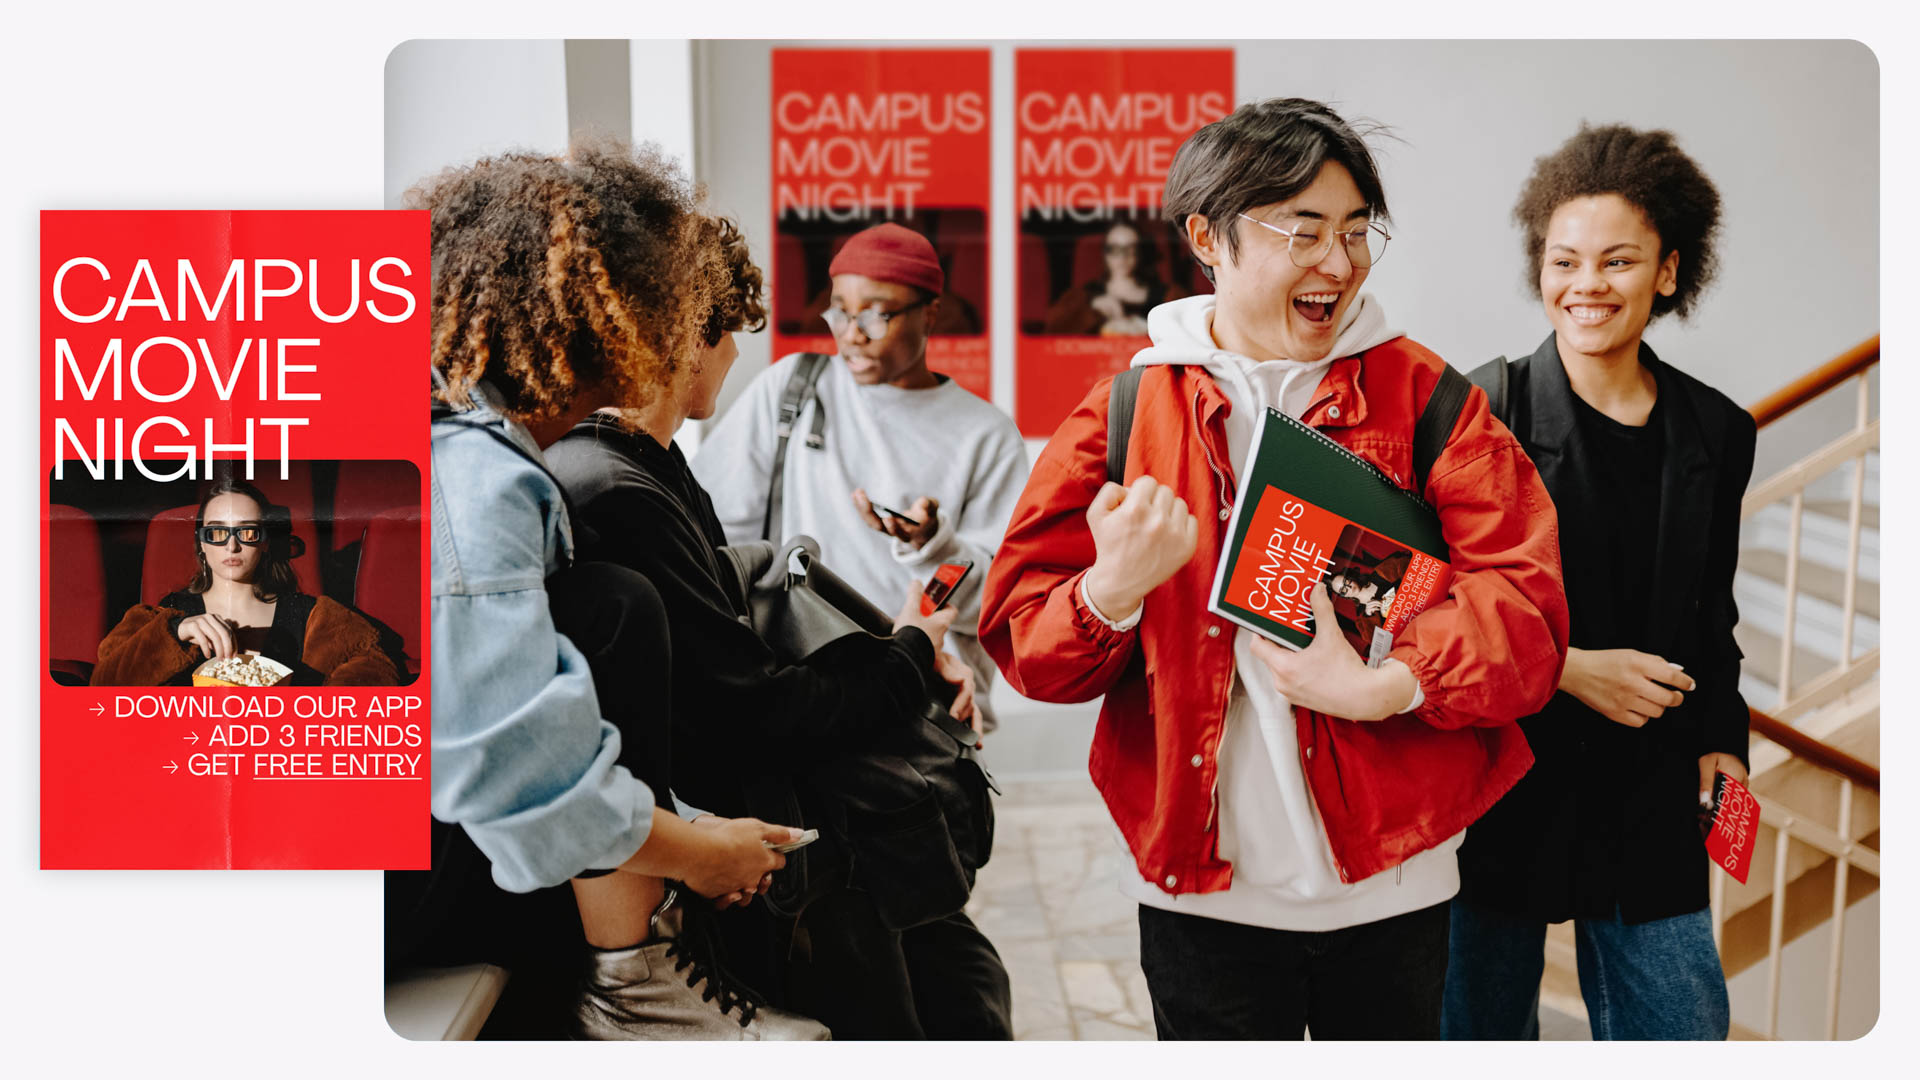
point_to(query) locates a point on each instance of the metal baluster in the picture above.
(1841, 864)
(1777, 926)
(1854, 514)
(1793, 589)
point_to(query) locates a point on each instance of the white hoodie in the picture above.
(1283, 872)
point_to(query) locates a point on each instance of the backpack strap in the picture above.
(1492, 377)
(1436, 423)
(1121, 396)
(793, 401)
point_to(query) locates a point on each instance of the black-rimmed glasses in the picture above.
(872, 321)
(218, 535)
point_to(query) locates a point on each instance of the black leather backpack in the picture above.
(907, 818)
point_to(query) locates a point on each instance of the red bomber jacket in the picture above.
(1488, 654)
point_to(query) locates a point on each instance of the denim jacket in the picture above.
(522, 757)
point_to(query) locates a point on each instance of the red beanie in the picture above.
(891, 253)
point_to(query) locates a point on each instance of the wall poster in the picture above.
(866, 136)
(1095, 132)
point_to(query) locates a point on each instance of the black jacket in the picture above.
(1608, 815)
(744, 725)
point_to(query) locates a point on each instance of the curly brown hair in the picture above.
(737, 284)
(1647, 169)
(557, 276)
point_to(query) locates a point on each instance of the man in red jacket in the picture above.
(1292, 816)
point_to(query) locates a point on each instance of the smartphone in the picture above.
(806, 838)
(939, 588)
(892, 513)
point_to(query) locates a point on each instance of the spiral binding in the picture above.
(1273, 414)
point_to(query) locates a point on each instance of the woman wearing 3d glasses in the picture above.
(242, 598)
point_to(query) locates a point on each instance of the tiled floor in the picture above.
(1050, 901)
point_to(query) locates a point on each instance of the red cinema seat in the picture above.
(77, 606)
(169, 561)
(387, 587)
(365, 489)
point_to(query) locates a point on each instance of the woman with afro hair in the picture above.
(1647, 466)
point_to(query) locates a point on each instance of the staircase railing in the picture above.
(1850, 773)
(1837, 843)
(1791, 485)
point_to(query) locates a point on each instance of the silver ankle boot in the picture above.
(669, 987)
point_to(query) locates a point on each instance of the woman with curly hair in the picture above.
(751, 726)
(561, 286)
(1646, 466)
(243, 598)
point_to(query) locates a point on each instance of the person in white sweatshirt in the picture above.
(1292, 816)
(894, 436)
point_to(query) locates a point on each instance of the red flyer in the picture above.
(1733, 826)
(234, 460)
(867, 136)
(1095, 132)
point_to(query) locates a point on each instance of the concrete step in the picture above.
(1825, 583)
(1761, 650)
(1838, 509)
(1823, 537)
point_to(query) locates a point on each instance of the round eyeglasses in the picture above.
(872, 321)
(1310, 241)
(218, 535)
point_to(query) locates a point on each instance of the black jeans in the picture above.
(1219, 980)
(940, 980)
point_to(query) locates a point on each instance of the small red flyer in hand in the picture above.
(1733, 826)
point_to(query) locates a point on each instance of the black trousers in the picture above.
(941, 980)
(1220, 980)
(453, 913)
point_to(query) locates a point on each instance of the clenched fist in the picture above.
(1141, 534)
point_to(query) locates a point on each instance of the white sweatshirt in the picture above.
(897, 444)
(1283, 872)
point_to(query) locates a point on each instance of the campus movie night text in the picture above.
(1090, 156)
(843, 157)
(165, 368)
(1289, 566)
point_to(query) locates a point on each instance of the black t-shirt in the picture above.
(285, 640)
(1626, 477)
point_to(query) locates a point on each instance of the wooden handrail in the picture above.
(1806, 746)
(1817, 382)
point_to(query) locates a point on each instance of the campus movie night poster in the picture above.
(181, 352)
(1095, 132)
(867, 136)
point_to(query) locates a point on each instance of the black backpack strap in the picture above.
(1492, 377)
(1436, 423)
(793, 401)
(1120, 401)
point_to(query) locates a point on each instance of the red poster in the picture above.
(234, 568)
(865, 136)
(1095, 131)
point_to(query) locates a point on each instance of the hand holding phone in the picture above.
(939, 588)
(806, 838)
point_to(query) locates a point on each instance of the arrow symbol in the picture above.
(192, 737)
(170, 766)
(98, 708)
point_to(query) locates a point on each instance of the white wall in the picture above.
(1788, 130)
(453, 101)
(449, 102)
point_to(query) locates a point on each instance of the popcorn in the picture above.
(246, 669)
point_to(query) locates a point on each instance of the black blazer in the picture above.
(1607, 817)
